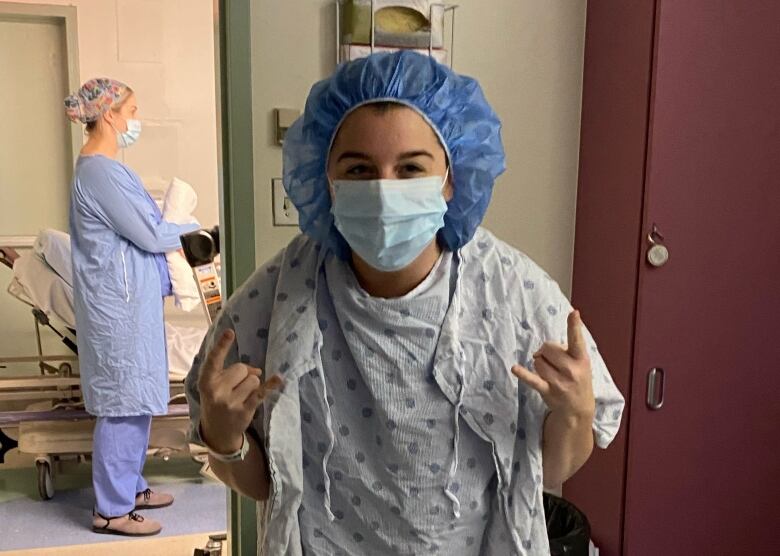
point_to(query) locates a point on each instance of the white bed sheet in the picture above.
(43, 287)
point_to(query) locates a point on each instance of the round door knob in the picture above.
(658, 255)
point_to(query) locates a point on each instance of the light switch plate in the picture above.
(285, 213)
(285, 117)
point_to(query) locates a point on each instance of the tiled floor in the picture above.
(28, 522)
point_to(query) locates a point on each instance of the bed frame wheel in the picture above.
(45, 480)
(65, 369)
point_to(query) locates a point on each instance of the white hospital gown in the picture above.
(393, 453)
(361, 443)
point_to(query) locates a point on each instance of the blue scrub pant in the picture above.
(118, 457)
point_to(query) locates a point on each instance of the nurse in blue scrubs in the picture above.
(119, 240)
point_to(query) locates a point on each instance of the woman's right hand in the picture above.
(229, 397)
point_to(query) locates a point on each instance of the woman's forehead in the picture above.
(384, 130)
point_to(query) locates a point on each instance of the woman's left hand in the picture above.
(563, 375)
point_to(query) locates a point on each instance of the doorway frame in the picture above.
(66, 17)
(235, 168)
(237, 207)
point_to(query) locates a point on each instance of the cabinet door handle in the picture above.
(656, 382)
(657, 253)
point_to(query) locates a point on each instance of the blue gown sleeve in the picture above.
(123, 206)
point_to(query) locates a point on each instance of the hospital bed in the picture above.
(46, 412)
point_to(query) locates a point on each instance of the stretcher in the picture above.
(52, 423)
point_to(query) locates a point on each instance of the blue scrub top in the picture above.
(118, 245)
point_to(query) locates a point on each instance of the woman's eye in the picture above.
(358, 170)
(412, 169)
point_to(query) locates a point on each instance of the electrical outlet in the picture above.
(284, 212)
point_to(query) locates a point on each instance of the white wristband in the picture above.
(238, 455)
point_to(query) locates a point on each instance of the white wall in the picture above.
(527, 54)
(163, 49)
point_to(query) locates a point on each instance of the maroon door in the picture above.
(704, 468)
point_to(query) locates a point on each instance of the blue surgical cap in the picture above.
(453, 105)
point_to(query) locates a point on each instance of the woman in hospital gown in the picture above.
(118, 242)
(397, 380)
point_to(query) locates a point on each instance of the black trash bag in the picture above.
(567, 527)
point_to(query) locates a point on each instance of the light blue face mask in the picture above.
(389, 222)
(126, 138)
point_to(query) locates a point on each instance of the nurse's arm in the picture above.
(126, 210)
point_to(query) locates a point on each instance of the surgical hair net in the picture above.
(94, 98)
(452, 104)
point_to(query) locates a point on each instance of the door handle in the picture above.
(657, 254)
(656, 382)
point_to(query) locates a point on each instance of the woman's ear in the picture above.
(449, 189)
(112, 118)
(331, 191)
(109, 118)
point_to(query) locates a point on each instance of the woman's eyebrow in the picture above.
(362, 156)
(412, 154)
(353, 154)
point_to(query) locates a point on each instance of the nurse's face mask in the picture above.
(131, 134)
(386, 203)
(126, 138)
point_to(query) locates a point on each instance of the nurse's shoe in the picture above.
(149, 500)
(130, 525)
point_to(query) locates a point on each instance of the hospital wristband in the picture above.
(238, 455)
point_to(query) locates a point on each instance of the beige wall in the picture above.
(165, 51)
(527, 54)
(528, 58)
(292, 47)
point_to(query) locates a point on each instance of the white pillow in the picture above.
(45, 289)
(54, 247)
(180, 202)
